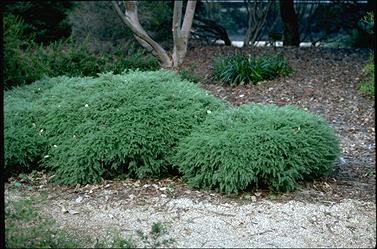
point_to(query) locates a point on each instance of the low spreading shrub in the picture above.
(239, 69)
(105, 126)
(24, 143)
(256, 145)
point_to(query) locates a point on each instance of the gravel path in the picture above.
(205, 222)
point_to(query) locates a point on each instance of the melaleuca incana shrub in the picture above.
(256, 145)
(115, 124)
(23, 147)
(24, 141)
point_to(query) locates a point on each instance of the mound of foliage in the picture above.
(257, 145)
(240, 69)
(87, 128)
(25, 61)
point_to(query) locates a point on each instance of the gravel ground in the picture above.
(205, 220)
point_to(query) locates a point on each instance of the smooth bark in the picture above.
(181, 33)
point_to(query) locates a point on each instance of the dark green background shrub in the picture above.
(18, 67)
(240, 69)
(257, 145)
(71, 59)
(102, 127)
(96, 23)
(46, 19)
(26, 61)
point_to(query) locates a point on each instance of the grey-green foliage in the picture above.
(24, 142)
(257, 145)
(101, 127)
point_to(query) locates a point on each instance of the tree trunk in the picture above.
(131, 19)
(257, 15)
(290, 23)
(180, 33)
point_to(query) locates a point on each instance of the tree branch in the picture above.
(189, 16)
(130, 18)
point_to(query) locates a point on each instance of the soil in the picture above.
(338, 211)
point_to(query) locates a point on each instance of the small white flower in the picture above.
(41, 131)
(46, 156)
(86, 105)
(209, 112)
(55, 145)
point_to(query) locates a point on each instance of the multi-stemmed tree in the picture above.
(181, 31)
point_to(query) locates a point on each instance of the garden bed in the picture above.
(338, 211)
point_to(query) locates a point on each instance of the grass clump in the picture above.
(239, 69)
(157, 236)
(368, 87)
(26, 228)
(95, 128)
(257, 145)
